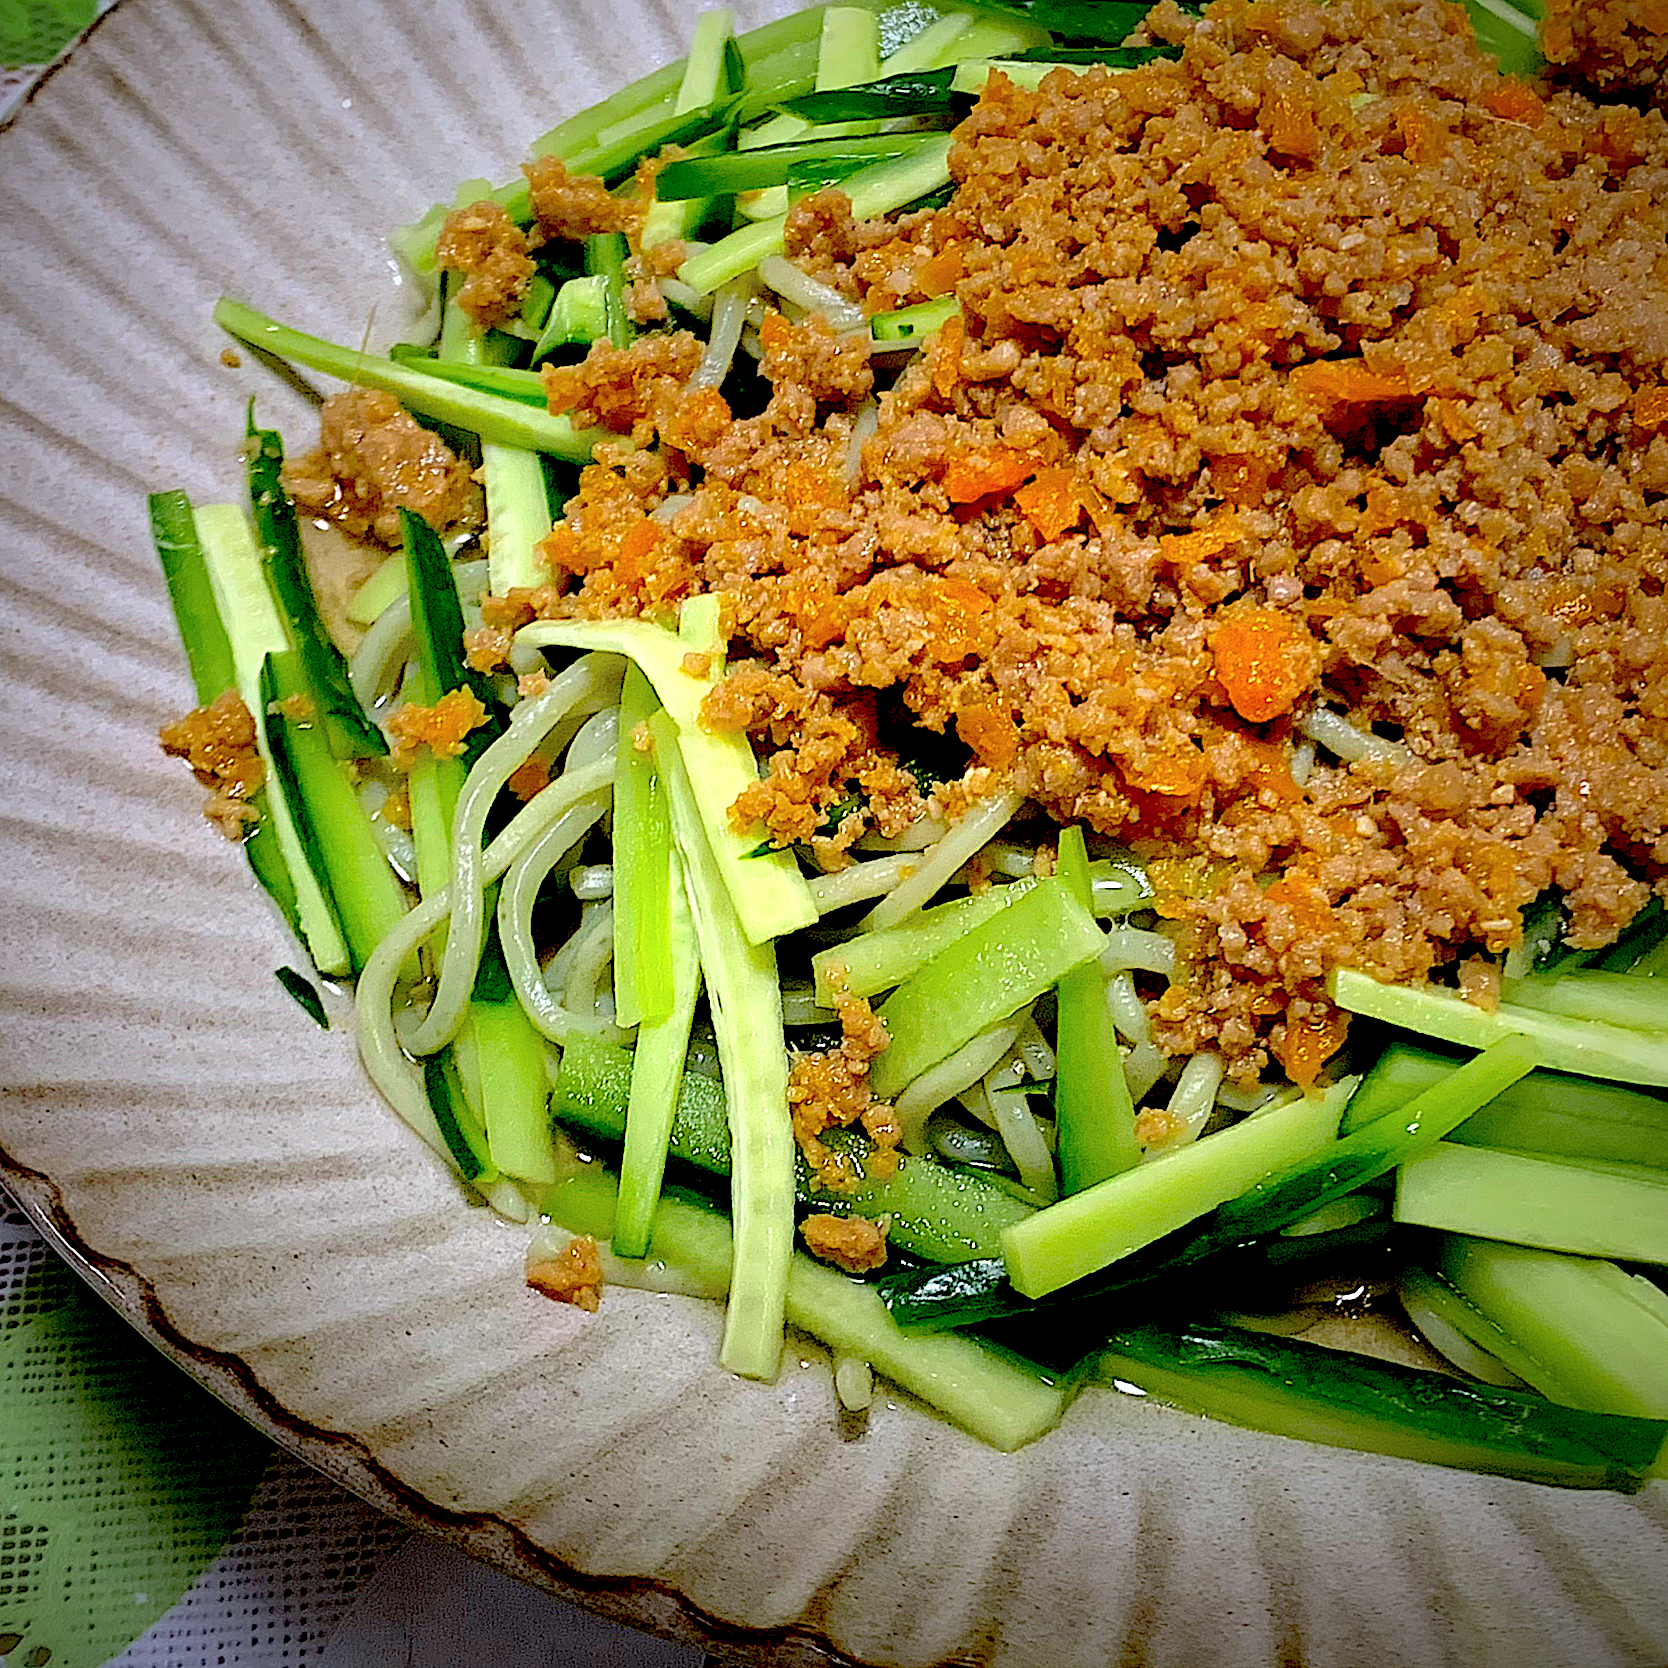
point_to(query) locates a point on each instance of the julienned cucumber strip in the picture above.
(1080, 1235)
(1641, 1004)
(984, 976)
(1094, 1115)
(657, 1064)
(1612, 1210)
(1350, 1401)
(1242, 1274)
(518, 518)
(777, 55)
(914, 93)
(334, 831)
(208, 652)
(1588, 1047)
(488, 415)
(768, 891)
(745, 996)
(756, 170)
(351, 731)
(504, 381)
(998, 1397)
(437, 624)
(878, 189)
(642, 874)
(910, 324)
(1578, 1329)
(941, 1214)
(1547, 1112)
(1260, 1175)
(250, 616)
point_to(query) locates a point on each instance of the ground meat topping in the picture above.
(483, 242)
(575, 1277)
(374, 459)
(829, 1089)
(218, 742)
(441, 728)
(853, 1243)
(1317, 371)
(575, 206)
(625, 389)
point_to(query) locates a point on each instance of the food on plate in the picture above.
(1054, 581)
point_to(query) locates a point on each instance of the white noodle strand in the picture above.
(965, 838)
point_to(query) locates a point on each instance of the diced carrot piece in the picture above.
(1307, 1045)
(938, 273)
(946, 355)
(1240, 478)
(1650, 408)
(1051, 502)
(985, 475)
(1222, 530)
(1264, 660)
(1515, 102)
(634, 558)
(1331, 383)
(1176, 773)
(991, 732)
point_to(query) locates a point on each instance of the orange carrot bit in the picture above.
(634, 557)
(1650, 408)
(1177, 772)
(775, 332)
(938, 273)
(1334, 384)
(1264, 660)
(1240, 478)
(945, 359)
(985, 475)
(1298, 893)
(991, 732)
(1515, 102)
(1222, 530)
(1051, 502)
(1306, 1044)
(1288, 119)
(1423, 138)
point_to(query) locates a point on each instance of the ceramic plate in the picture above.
(181, 1125)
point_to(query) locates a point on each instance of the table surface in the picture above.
(316, 1577)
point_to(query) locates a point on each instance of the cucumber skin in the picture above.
(937, 1213)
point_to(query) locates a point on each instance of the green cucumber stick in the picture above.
(848, 51)
(1593, 1210)
(879, 189)
(999, 1398)
(605, 258)
(746, 1000)
(463, 341)
(940, 1214)
(1084, 1233)
(1547, 1112)
(1638, 1002)
(334, 831)
(350, 731)
(709, 72)
(386, 585)
(657, 1068)
(208, 650)
(518, 518)
(250, 616)
(1580, 1330)
(577, 318)
(1301, 1390)
(875, 961)
(490, 416)
(642, 849)
(1095, 1117)
(208, 653)
(508, 1076)
(1590, 1047)
(780, 57)
(986, 975)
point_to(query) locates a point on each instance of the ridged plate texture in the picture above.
(223, 1168)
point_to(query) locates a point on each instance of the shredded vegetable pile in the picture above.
(951, 687)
